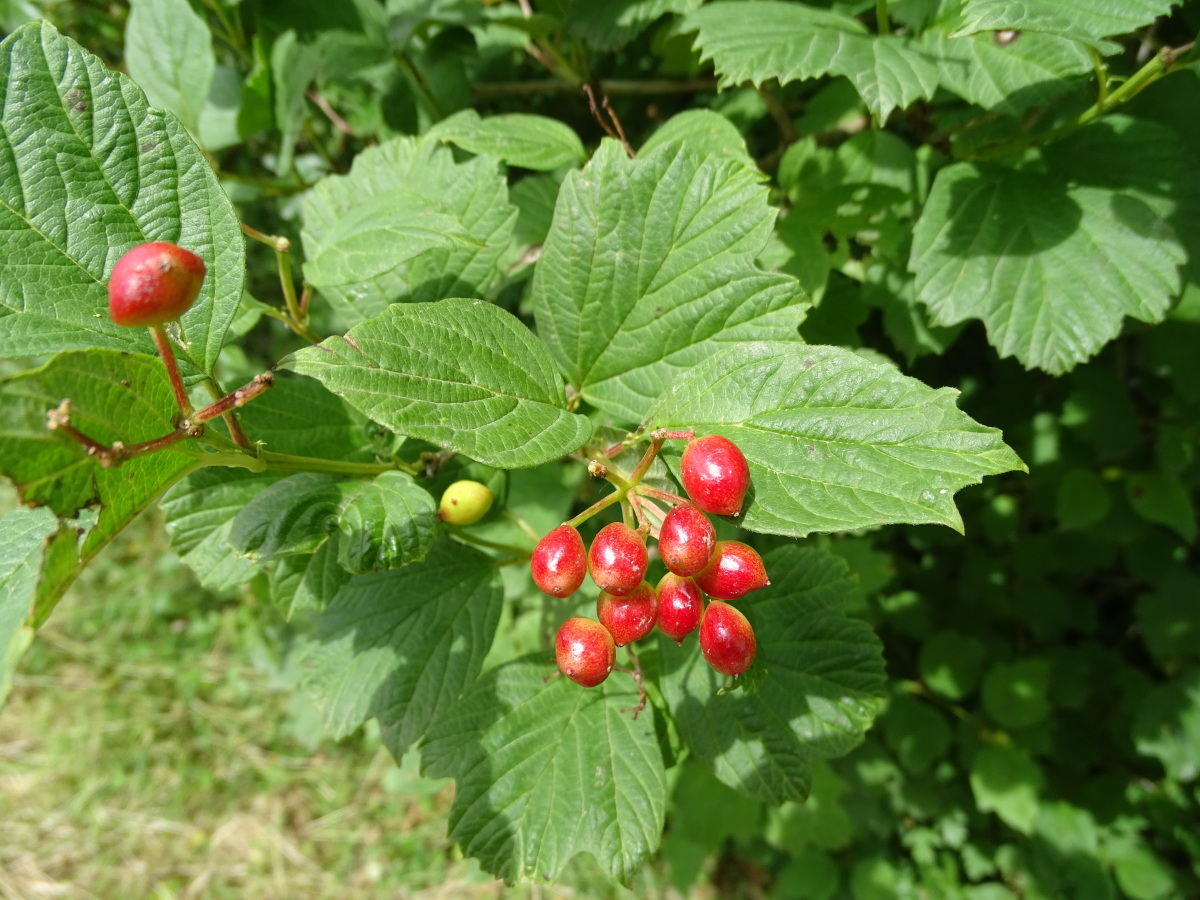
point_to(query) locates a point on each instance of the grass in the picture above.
(153, 747)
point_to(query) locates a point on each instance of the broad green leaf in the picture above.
(917, 733)
(834, 440)
(608, 26)
(168, 51)
(649, 268)
(24, 534)
(1087, 21)
(401, 646)
(1007, 782)
(385, 523)
(199, 512)
(1169, 618)
(1143, 875)
(293, 68)
(1164, 499)
(88, 170)
(703, 131)
(114, 396)
(545, 769)
(1051, 267)
(815, 686)
(1015, 694)
(950, 663)
(462, 374)
(473, 193)
(1083, 499)
(1167, 726)
(792, 42)
(520, 139)
(308, 580)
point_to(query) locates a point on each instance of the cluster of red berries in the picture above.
(715, 476)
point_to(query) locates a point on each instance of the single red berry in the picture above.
(154, 283)
(559, 562)
(686, 539)
(726, 639)
(617, 559)
(715, 474)
(630, 617)
(680, 605)
(585, 651)
(734, 570)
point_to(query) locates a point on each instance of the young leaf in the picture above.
(24, 534)
(403, 645)
(817, 682)
(1086, 22)
(1051, 266)
(134, 176)
(168, 51)
(608, 26)
(474, 194)
(649, 268)
(520, 139)
(793, 42)
(545, 769)
(834, 440)
(462, 374)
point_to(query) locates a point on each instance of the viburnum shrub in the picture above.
(698, 326)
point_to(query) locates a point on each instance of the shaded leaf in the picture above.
(520, 139)
(1087, 22)
(168, 51)
(1007, 782)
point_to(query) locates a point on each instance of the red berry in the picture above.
(559, 562)
(726, 639)
(680, 605)
(630, 617)
(585, 651)
(154, 283)
(714, 474)
(686, 540)
(734, 570)
(617, 559)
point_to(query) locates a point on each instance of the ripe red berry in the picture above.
(559, 562)
(734, 570)
(630, 617)
(154, 283)
(726, 639)
(686, 539)
(680, 605)
(617, 559)
(585, 651)
(715, 474)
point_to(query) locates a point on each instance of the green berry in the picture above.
(464, 503)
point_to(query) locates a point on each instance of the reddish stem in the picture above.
(163, 343)
(236, 400)
(638, 676)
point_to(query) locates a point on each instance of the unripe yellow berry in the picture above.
(464, 503)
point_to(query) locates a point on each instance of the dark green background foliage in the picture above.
(929, 262)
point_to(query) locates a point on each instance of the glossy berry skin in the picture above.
(686, 540)
(154, 283)
(559, 562)
(617, 559)
(630, 617)
(734, 571)
(715, 474)
(680, 606)
(585, 651)
(465, 503)
(726, 639)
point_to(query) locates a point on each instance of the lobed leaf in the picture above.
(403, 645)
(519, 139)
(649, 268)
(814, 688)
(1087, 21)
(462, 374)
(834, 440)
(88, 170)
(545, 769)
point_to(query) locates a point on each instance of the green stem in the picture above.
(469, 538)
(881, 16)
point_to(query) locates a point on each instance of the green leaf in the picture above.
(1169, 618)
(704, 132)
(791, 42)
(1167, 726)
(520, 139)
(134, 176)
(308, 580)
(814, 688)
(1086, 22)
(168, 51)
(385, 523)
(545, 769)
(1015, 694)
(1083, 499)
(1007, 782)
(1161, 498)
(293, 67)
(608, 26)
(1143, 875)
(835, 441)
(1050, 267)
(916, 732)
(462, 374)
(951, 663)
(114, 396)
(24, 535)
(401, 646)
(649, 268)
(474, 194)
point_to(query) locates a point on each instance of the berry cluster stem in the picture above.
(167, 352)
